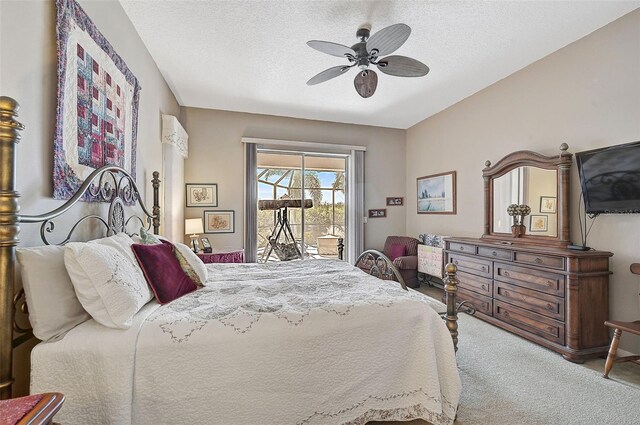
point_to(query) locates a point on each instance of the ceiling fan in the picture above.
(367, 52)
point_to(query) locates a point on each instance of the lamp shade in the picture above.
(193, 226)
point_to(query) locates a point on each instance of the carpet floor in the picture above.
(507, 380)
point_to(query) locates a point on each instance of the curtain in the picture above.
(356, 214)
(250, 203)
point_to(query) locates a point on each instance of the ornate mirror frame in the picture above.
(561, 163)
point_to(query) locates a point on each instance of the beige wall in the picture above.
(216, 155)
(28, 74)
(586, 94)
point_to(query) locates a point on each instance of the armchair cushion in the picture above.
(411, 244)
(407, 262)
(397, 250)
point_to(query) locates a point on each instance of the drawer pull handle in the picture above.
(461, 248)
(506, 273)
(550, 283)
(484, 268)
(551, 328)
(494, 253)
(484, 287)
(550, 306)
(456, 262)
(538, 260)
(507, 293)
(505, 313)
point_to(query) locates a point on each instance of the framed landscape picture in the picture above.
(220, 221)
(202, 194)
(539, 223)
(437, 193)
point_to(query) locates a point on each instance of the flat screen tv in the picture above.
(610, 179)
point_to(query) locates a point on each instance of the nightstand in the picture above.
(222, 256)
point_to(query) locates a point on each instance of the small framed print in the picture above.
(539, 223)
(220, 221)
(206, 245)
(202, 194)
(378, 213)
(395, 201)
(548, 204)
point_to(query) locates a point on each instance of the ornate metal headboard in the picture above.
(110, 184)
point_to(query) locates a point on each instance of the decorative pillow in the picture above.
(163, 272)
(148, 238)
(108, 285)
(191, 264)
(54, 308)
(397, 250)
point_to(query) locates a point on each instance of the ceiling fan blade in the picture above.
(402, 66)
(366, 82)
(328, 74)
(388, 39)
(333, 49)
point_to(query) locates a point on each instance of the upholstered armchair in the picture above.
(403, 251)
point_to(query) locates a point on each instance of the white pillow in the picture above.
(122, 243)
(194, 261)
(108, 285)
(54, 308)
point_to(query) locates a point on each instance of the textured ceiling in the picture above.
(251, 56)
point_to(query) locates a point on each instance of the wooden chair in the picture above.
(619, 327)
(37, 409)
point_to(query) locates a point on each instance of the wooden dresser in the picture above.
(556, 297)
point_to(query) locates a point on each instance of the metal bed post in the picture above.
(9, 229)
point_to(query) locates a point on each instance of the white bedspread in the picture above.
(313, 342)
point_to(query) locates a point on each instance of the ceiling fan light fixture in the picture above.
(366, 53)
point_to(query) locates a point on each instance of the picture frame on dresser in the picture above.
(206, 245)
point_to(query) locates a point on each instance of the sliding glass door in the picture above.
(291, 225)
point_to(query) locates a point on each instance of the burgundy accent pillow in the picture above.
(163, 272)
(397, 250)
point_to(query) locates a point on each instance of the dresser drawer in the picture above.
(540, 260)
(501, 254)
(462, 247)
(539, 302)
(537, 324)
(475, 283)
(472, 265)
(482, 304)
(549, 282)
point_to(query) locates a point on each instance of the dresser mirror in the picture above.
(532, 186)
(539, 182)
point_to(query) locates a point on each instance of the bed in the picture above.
(302, 342)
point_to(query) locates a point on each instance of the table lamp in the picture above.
(193, 227)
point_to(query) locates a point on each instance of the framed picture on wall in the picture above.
(202, 194)
(220, 221)
(437, 193)
(548, 204)
(539, 223)
(378, 213)
(395, 201)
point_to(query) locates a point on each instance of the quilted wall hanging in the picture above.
(97, 111)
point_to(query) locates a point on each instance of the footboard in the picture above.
(379, 265)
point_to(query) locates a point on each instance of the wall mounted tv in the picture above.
(610, 179)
